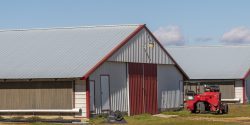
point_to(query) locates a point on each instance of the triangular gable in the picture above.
(142, 48)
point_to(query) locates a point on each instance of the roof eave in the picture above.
(127, 39)
(246, 74)
(123, 43)
(177, 65)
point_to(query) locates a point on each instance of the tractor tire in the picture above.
(200, 107)
(225, 109)
(193, 111)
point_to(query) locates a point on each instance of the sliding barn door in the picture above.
(142, 88)
(150, 88)
(136, 88)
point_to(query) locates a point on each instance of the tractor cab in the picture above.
(211, 88)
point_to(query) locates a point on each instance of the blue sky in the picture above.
(175, 22)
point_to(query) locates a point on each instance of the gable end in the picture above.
(142, 48)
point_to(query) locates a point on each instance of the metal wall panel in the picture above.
(118, 86)
(136, 94)
(150, 88)
(170, 94)
(138, 50)
(36, 95)
(227, 88)
(143, 88)
(247, 88)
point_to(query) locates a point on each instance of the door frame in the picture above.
(108, 91)
(92, 95)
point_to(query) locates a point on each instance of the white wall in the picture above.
(239, 90)
(80, 96)
(170, 89)
(118, 86)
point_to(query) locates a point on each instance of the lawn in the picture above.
(234, 111)
(238, 115)
(151, 120)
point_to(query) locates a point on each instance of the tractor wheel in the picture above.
(225, 108)
(200, 106)
(193, 111)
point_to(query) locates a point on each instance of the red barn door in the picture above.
(136, 88)
(150, 88)
(142, 88)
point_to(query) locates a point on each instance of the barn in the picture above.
(88, 70)
(226, 66)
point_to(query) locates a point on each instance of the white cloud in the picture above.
(170, 35)
(238, 35)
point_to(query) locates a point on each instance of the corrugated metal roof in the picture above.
(213, 62)
(57, 52)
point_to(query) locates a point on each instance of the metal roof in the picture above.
(213, 62)
(57, 52)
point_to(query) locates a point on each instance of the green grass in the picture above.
(146, 119)
(234, 111)
(184, 118)
(42, 123)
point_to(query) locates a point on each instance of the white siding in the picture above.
(239, 90)
(80, 96)
(170, 88)
(118, 86)
(137, 50)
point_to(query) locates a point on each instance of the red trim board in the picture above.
(87, 99)
(123, 43)
(113, 51)
(178, 66)
(247, 73)
(244, 91)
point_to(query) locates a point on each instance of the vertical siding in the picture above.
(227, 90)
(248, 88)
(150, 88)
(80, 96)
(170, 93)
(36, 95)
(118, 86)
(239, 90)
(136, 93)
(137, 50)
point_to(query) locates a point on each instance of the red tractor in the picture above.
(209, 101)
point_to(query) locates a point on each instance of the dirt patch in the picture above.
(233, 119)
(165, 116)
